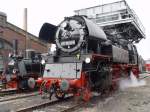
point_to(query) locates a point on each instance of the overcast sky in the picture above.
(53, 11)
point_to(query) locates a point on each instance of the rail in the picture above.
(38, 106)
(18, 97)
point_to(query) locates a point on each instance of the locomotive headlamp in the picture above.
(42, 62)
(64, 24)
(87, 60)
(15, 71)
(39, 78)
(10, 55)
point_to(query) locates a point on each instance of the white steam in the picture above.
(132, 81)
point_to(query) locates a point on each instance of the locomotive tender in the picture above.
(85, 60)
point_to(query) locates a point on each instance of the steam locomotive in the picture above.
(86, 59)
(21, 72)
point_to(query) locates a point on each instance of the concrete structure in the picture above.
(117, 19)
(9, 32)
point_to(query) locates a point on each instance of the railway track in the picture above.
(8, 92)
(25, 103)
(14, 92)
(45, 105)
(72, 108)
(12, 104)
(18, 96)
(66, 105)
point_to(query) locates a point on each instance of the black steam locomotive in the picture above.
(86, 58)
(21, 71)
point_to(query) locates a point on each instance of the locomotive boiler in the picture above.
(85, 60)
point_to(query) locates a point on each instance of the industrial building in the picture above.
(10, 32)
(116, 19)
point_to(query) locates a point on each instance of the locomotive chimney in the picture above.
(15, 47)
(25, 19)
(25, 27)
